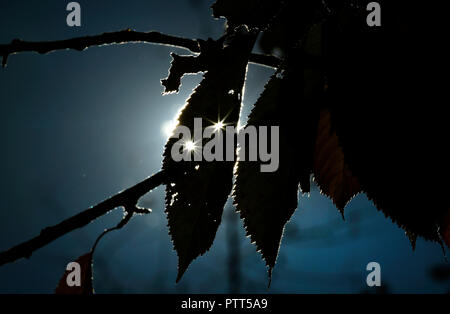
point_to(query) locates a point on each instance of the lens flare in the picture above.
(219, 126)
(189, 146)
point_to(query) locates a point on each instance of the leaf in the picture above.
(85, 263)
(330, 170)
(196, 195)
(387, 114)
(445, 228)
(267, 200)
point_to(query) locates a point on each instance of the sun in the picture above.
(169, 127)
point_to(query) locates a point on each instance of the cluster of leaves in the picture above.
(342, 99)
(358, 110)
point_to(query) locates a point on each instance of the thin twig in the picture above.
(120, 37)
(119, 226)
(127, 199)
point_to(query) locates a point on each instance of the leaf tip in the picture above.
(412, 237)
(269, 272)
(181, 271)
(341, 210)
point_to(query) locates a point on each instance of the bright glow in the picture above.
(219, 126)
(190, 146)
(169, 127)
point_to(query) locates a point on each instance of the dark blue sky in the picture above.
(77, 127)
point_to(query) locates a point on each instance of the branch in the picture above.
(120, 37)
(127, 199)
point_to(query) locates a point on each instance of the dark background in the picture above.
(78, 127)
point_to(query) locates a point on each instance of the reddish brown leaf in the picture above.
(85, 263)
(445, 228)
(330, 170)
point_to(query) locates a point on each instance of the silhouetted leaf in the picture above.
(267, 200)
(196, 195)
(385, 105)
(330, 170)
(85, 263)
